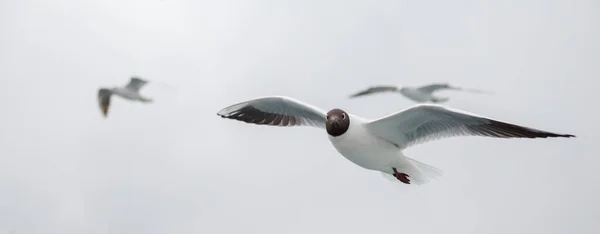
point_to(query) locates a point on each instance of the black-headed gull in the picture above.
(378, 144)
(418, 94)
(131, 92)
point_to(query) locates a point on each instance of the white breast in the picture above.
(364, 149)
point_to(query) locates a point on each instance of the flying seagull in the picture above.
(131, 92)
(418, 94)
(378, 144)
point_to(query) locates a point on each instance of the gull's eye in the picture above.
(343, 115)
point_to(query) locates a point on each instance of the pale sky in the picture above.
(174, 166)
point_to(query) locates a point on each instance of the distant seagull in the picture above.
(418, 94)
(131, 92)
(378, 144)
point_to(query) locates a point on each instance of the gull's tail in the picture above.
(418, 173)
(146, 100)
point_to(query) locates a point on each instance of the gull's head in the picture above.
(338, 122)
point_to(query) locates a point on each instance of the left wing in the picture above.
(375, 89)
(104, 100)
(426, 122)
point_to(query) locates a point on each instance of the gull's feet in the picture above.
(402, 177)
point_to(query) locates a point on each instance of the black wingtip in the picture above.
(507, 130)
(548, 134)
(356, 95)
(552, 135)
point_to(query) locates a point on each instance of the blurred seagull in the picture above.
(418, 94)
(131, 92)
(378, 144)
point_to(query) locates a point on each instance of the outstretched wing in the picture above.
(440, 86)
(276, 111)
(104, 100)
(375, 89)
(136, 84)
(427, 122)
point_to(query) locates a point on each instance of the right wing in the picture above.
(104, 100)
(136, 84)
(375, 89)
(276, 111)
(440, 86)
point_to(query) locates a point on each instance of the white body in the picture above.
(364, 149)
(369, 151)
(416, 95)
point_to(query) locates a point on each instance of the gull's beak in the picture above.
(334, 120)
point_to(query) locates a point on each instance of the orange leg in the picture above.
(402, 177)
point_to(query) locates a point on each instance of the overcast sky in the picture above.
(175, 167)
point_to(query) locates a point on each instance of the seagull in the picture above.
(378, 144)
(131, 92)
(421, 94)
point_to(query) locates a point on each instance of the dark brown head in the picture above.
(337, 122)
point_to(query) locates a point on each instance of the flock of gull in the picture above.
(374, 144)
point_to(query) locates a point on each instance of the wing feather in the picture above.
(276, 111)
(427, 122)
